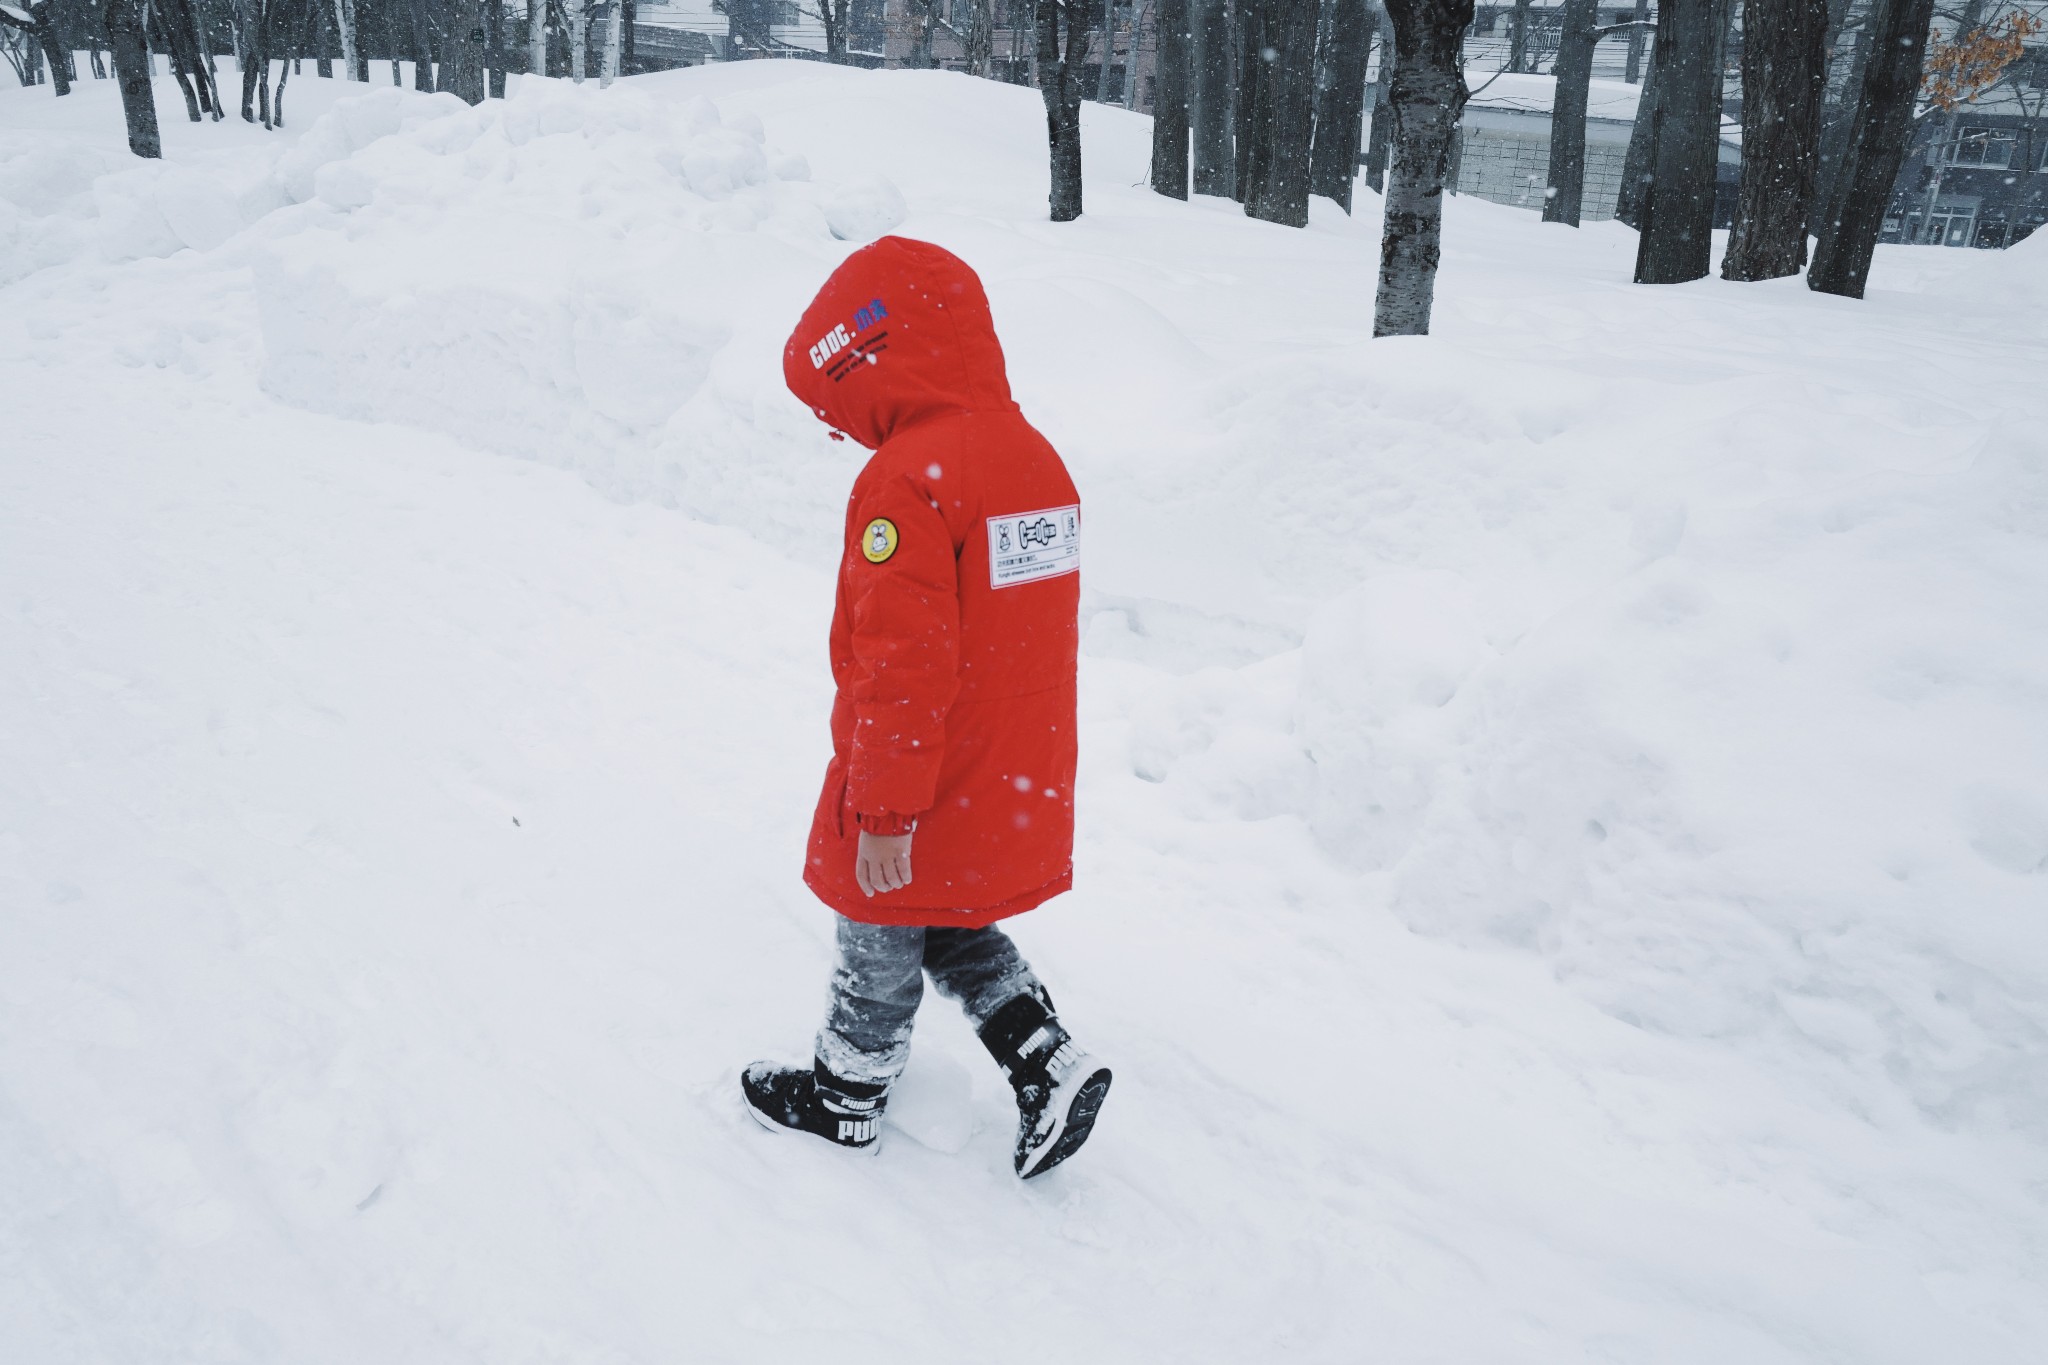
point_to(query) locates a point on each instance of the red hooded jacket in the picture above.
(955, 634)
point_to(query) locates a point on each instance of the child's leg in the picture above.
(981, 969)
(875, 991)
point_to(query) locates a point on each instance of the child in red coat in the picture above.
(954, 641)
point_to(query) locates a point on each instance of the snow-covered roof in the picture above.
(1614, 101)
(699, 16)
(1528, 94)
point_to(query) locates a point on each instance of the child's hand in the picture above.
(881, 862)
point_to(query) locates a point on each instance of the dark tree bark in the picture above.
(1381, 137)
(179, 26)
(1876, 148)
(462, 56)
(1784, 66)
(1423, 103)
(131, 68)
(1677, 241)
(1170, 103)
(1059, 82)
(1638, 36)
(1340, 101)
(835, 15)
(1641, 156)
(1518, 37)
(1848, 48)
(1577, 36)
(422, 46)
(494, 45)
(43, 25)
(1244, 75)
(1279, 87)
(1212, 62)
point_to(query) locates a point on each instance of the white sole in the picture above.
(1075, 1103)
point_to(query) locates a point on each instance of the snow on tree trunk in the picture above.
(1340, 101)
(1423, 103)
(1876, 147)
(1784, 67)
(1577, 36)
(1170, 104)
(345, 26)
(613, 30)
(1279, 85)
(1211, 62)
(1677, 241)
(1059, 82)
(131, 68)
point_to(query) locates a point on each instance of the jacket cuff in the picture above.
(885, 823)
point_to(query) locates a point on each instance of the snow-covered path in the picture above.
(398, 840)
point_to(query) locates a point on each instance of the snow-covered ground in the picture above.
(1564, 835)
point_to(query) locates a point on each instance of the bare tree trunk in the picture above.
(579, 39)
(537, 37)
(462, 56)
(422, 46)
(1380, 136)
(40, 23)
(1640, 160)
(1636, 38)
(1059, 82)
(1784, 66)
(185, 37)
(1518, 37)
(131, 68)
(1424, 101)
(1281, 36)
(979, 40)
(1340, 101)
(613, 32)
(1877, 146)
(1131, 62)
(1677, 242)
(1212, 63)
(1108, 51)
(1577, 37)
(494, 48)
(345, 27)
(1170, 107)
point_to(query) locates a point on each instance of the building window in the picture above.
(1951, 225)
(1989, 148)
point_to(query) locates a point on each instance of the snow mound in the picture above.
(555, 275)
(65, 199)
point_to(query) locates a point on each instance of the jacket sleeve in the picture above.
(906, 650)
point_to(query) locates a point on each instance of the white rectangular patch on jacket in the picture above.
(1027, 546)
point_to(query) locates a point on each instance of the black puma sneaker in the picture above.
(1059, 1087)
(845, 1113)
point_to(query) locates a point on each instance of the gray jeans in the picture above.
(880, 980)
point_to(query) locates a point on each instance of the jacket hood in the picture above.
(900, 333)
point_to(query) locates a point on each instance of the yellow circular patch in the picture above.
(878, 542)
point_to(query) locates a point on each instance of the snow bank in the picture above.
(555, 276)
(1562, 818)
(1782, 785)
